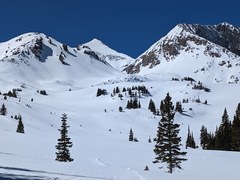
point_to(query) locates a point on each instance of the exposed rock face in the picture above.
(224, 34)
(216, 40)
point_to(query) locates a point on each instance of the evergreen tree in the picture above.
(20, 127)
(114, 91)
(135, 103)
(205, 102)
(204, 137)
(3, 110)
(128, 105)
(131, 135)
(99, 92)
(223, 135)
(130, 92)
(152, 106)
(161, 106)
(178, 107)
(146, 168)
(167, 148)
(193, 143)
(211, 141)
(149, 139)
(236, 130)
(120, 109)
(139, 104)
(190, 140)
(117, 90)
(64, 142)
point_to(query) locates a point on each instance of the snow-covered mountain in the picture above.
(35, 57)
(194, 50)
(117, 60)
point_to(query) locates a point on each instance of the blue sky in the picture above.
(128, 26)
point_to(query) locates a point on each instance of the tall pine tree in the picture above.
(236, 130)
(190, 142)
(223, 134)
(204, 137)
(64, 143)
(167, 148)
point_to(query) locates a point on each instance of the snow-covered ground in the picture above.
(101, 149)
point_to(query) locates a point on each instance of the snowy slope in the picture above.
(98, 130)
(117, 60)
(100, 139)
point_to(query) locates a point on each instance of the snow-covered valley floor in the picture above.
(99, 132)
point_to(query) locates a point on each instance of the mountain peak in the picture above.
(114, 58)
(95, 42)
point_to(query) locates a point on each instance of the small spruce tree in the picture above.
(179, 107)
(20, 127)
(131, 135)
(3, 110)
(117, 90)
(152, 106)
(64, 143)
(120, 109)
(146, 168)
(149, 139)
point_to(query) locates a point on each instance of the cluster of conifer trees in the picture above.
(200, 86)
(190, 142)
(132, 91)
(101, 92)
(135, 92)
(226, 136)
(133, 103)
(155, 111)
(194, 100)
